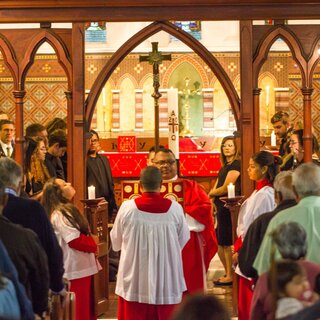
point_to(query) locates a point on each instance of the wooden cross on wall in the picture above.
(155, 58)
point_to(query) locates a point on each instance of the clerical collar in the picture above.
(262, 183)
(10, 191)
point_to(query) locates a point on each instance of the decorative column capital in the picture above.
(19, 94)
(307, 91)
(256, 91)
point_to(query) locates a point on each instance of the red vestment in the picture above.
(204, 243)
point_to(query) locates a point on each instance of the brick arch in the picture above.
(144, 34)
(9, 59)
(269, 75)
(126, 76)
(60, 49)
(193, 62)
(144, 79)
(292, 42)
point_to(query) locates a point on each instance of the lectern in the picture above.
(96, 211)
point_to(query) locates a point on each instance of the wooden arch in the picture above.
(144, 34)
(59, 47)
(265, 45)
(9, 59)
(314, 60)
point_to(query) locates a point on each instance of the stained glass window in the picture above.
(192, 27)
(95, 32)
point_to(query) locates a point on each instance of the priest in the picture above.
(202, 245)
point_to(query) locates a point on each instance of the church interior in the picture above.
(226, 72)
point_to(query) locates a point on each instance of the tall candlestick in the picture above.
(173, 121)
(273, 139)
(91, 192)
(231, 190)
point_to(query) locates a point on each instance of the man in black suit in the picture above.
(6, 138)
(30, 214)
(99, 174)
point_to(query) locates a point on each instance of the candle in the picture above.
(91, 192)
(231, 191)
(273, 139)
(173, 121)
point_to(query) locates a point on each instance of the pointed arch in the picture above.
(10, 59)
(126, 76)
(59, 47)
(314, 60)
(144, 34)
(264, 47)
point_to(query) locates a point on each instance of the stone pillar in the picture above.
(139, 110)
(115, 110)
(208, 108)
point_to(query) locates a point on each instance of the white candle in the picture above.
(273, 139)
(173, 121)
(91, 192)
(231, 191)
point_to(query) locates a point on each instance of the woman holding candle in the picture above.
(263, 167)
(228, 182)
(78, 245)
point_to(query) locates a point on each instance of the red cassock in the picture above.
(198, 206)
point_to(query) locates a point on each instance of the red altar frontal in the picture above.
(192, 164)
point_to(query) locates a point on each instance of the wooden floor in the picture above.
(215, 271)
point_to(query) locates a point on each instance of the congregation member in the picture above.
(202, 246)
(297, 149)
(29, 258)
(263, 167)
(150, 231)
(36, 172)
(291, 240)
(284, 198)
(151, 154)
(306, 185)
(78, 244)
(57, 146)
(99, 174)
(35, 130)
(31, 214)
(6, 138)
(229, 173)
(282, 129)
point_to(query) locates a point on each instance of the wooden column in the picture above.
(247, 124)
(97, 214)
(19, 136)
(70, 134)
(78, 148)
(307, 124)
(256, 117)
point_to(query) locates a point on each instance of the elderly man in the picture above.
(202, 245)
(306, 185)
(6, 138)
(150, 231)
(285, 198)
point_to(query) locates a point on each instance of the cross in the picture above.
(155, 58)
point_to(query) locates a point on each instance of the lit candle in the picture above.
(273, 139)
(231, 191)
(91, 192)
(173, 121)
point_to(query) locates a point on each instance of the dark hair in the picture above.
(165, 150)
(53, 199)
(285, 271)
(223, 158)
(153, 148)
(58, 136)
(266, 158)
(201, 307)
(31, 146)
(94, 132)
(56, 123)
(33, 129)
(150, 178)
(5, 121)
(280, 116)
(299, 134)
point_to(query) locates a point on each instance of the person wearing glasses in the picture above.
(99, 174)
(282, 129)
(297, 150)
(229, 173)
(202, 246)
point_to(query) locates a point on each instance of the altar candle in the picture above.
(273, 139)
(231, 191)
(173, 121)
(91, 192)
